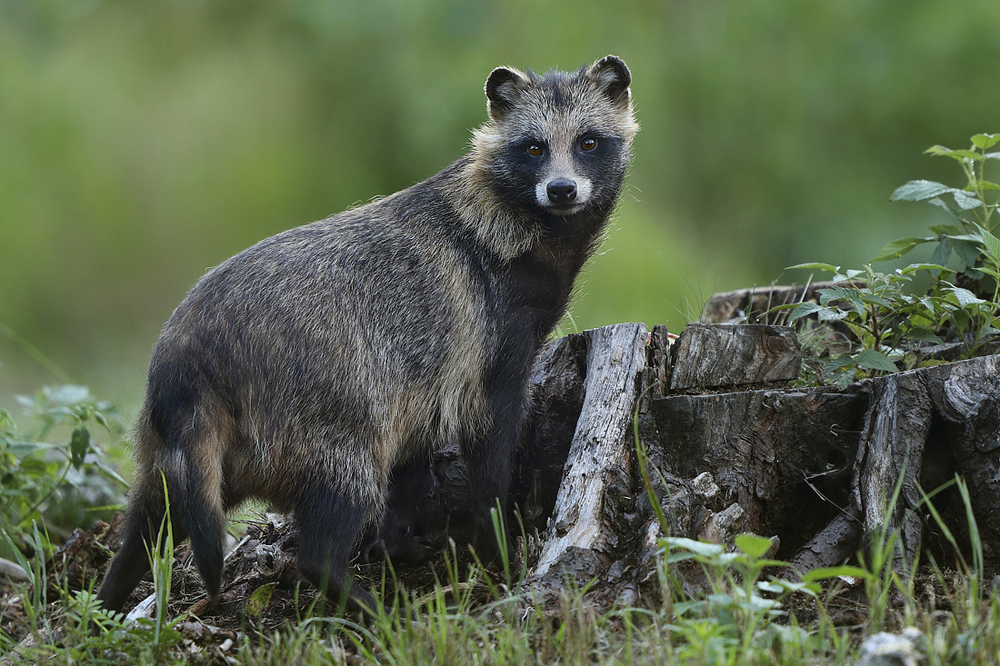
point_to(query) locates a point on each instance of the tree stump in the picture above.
(724, 355)
(730, 447)
(814, 468)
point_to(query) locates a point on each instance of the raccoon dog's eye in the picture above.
(588, 144)
(535, 150)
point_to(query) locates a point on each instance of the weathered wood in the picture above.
(891, 451)
(557, 394)
(783, 455)
(13, 571)
(724, 355)
(752, 305)
(597, 481)
(966, 439)
(832, 545)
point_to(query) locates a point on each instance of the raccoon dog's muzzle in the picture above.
(563, 194)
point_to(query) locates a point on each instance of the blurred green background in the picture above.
(142, 142)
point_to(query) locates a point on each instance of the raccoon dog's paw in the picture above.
(397, 541)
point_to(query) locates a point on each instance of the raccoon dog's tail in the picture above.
(182, 471)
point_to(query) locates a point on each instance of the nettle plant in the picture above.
(886, 328)
(971, 208)
(57, 460)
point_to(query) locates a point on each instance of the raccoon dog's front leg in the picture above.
(490, 468)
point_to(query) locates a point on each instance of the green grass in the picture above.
(713, 606)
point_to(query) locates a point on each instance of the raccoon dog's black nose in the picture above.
(561, 191)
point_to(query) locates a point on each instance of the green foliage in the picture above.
(57, 463)
(77, 630)
(160, 629)
(741, 616)
(883, 321)
(972, 207)
(972, 241)
(885, 324)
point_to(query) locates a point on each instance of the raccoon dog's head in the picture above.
(558, 143)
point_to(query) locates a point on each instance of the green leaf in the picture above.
(919, 190)
(913, 268)
(937, 150)
(991, 243)
(946, 229)
(824, 573)
(899, 247)
(988, 332)
(697, 547)
(829, 268)
(943, 205)
(966, 251)
(984, 141)
(965, 297)
(965, 200)
(942, 253)
(257, 602)
(989, 271)
(970, 238)
(831, 314)
(770, 587)
(804, 310)
(69, 394)
(874, 299)
(843, 379)
(839, 363)
(954, 154)
(875, 360)
(753, 545)
(923, 335)
(835, 294)
(812, 589)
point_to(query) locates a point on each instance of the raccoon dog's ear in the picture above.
(503, 89)
(612, 75)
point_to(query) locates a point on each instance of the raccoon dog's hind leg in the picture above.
(142, 523)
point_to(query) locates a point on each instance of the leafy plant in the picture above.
(35, 472)
(884, 323)
(972, 206)
(882, 319)
(77, 629)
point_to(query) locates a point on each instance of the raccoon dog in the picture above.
(305, 368)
